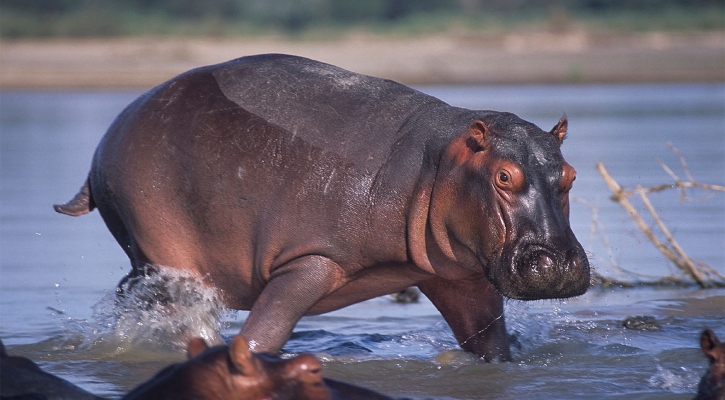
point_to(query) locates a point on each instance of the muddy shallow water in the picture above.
(57, 273)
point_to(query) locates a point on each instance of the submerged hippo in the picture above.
(211, 373)
(233, 372)
(297, 188)
(22, 379)
(712, 384)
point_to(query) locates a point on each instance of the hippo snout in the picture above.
(540, 272)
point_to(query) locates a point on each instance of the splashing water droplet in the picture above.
(160, 311)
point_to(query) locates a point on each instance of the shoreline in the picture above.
(463, 58)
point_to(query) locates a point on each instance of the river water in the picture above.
(57, 273)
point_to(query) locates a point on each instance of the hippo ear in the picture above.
(195, 347)
(241, 357)
(559, 130)
(708, 343)
(478, 133)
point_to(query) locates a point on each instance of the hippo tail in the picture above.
(81, 204)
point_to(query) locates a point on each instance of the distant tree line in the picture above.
(20, 18)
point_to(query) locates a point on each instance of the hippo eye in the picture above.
(508, 177)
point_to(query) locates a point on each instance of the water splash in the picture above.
(678, 381)
(527, 330)
(159, 312)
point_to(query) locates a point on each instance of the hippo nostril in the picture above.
(545, 262)
(539, 262)
(573, 260)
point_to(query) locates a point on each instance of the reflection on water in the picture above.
(58, 274)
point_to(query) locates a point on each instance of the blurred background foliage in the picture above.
(329, 18)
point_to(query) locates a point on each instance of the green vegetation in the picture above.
(92, 18)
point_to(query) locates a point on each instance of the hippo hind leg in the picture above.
(140, 264)
(145, 286)
(82, 203)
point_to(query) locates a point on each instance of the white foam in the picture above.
(160, 311)
(680, 380)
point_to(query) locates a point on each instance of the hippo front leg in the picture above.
(474, 311)
(290, 292)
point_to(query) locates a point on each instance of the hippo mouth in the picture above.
(539, 272)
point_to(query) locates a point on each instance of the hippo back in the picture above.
(355, 116)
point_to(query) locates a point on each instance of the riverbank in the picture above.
(464, 58)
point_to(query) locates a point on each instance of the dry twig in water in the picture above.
(700, 273)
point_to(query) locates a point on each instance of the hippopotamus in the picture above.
(233, 372)
(22, 378)
(210, 373)
(712, 384)
(295, 188)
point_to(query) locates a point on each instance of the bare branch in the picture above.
(603, 281)
(675, 253)
(681, 184)
(682, 162)
(683, 262)
(678, 181)
(641, 224)
(715, 276)
(677, 184)
(669, 171)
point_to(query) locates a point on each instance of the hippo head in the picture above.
(501, 200)
(233, 372)
(712, 384)
(261, 376)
